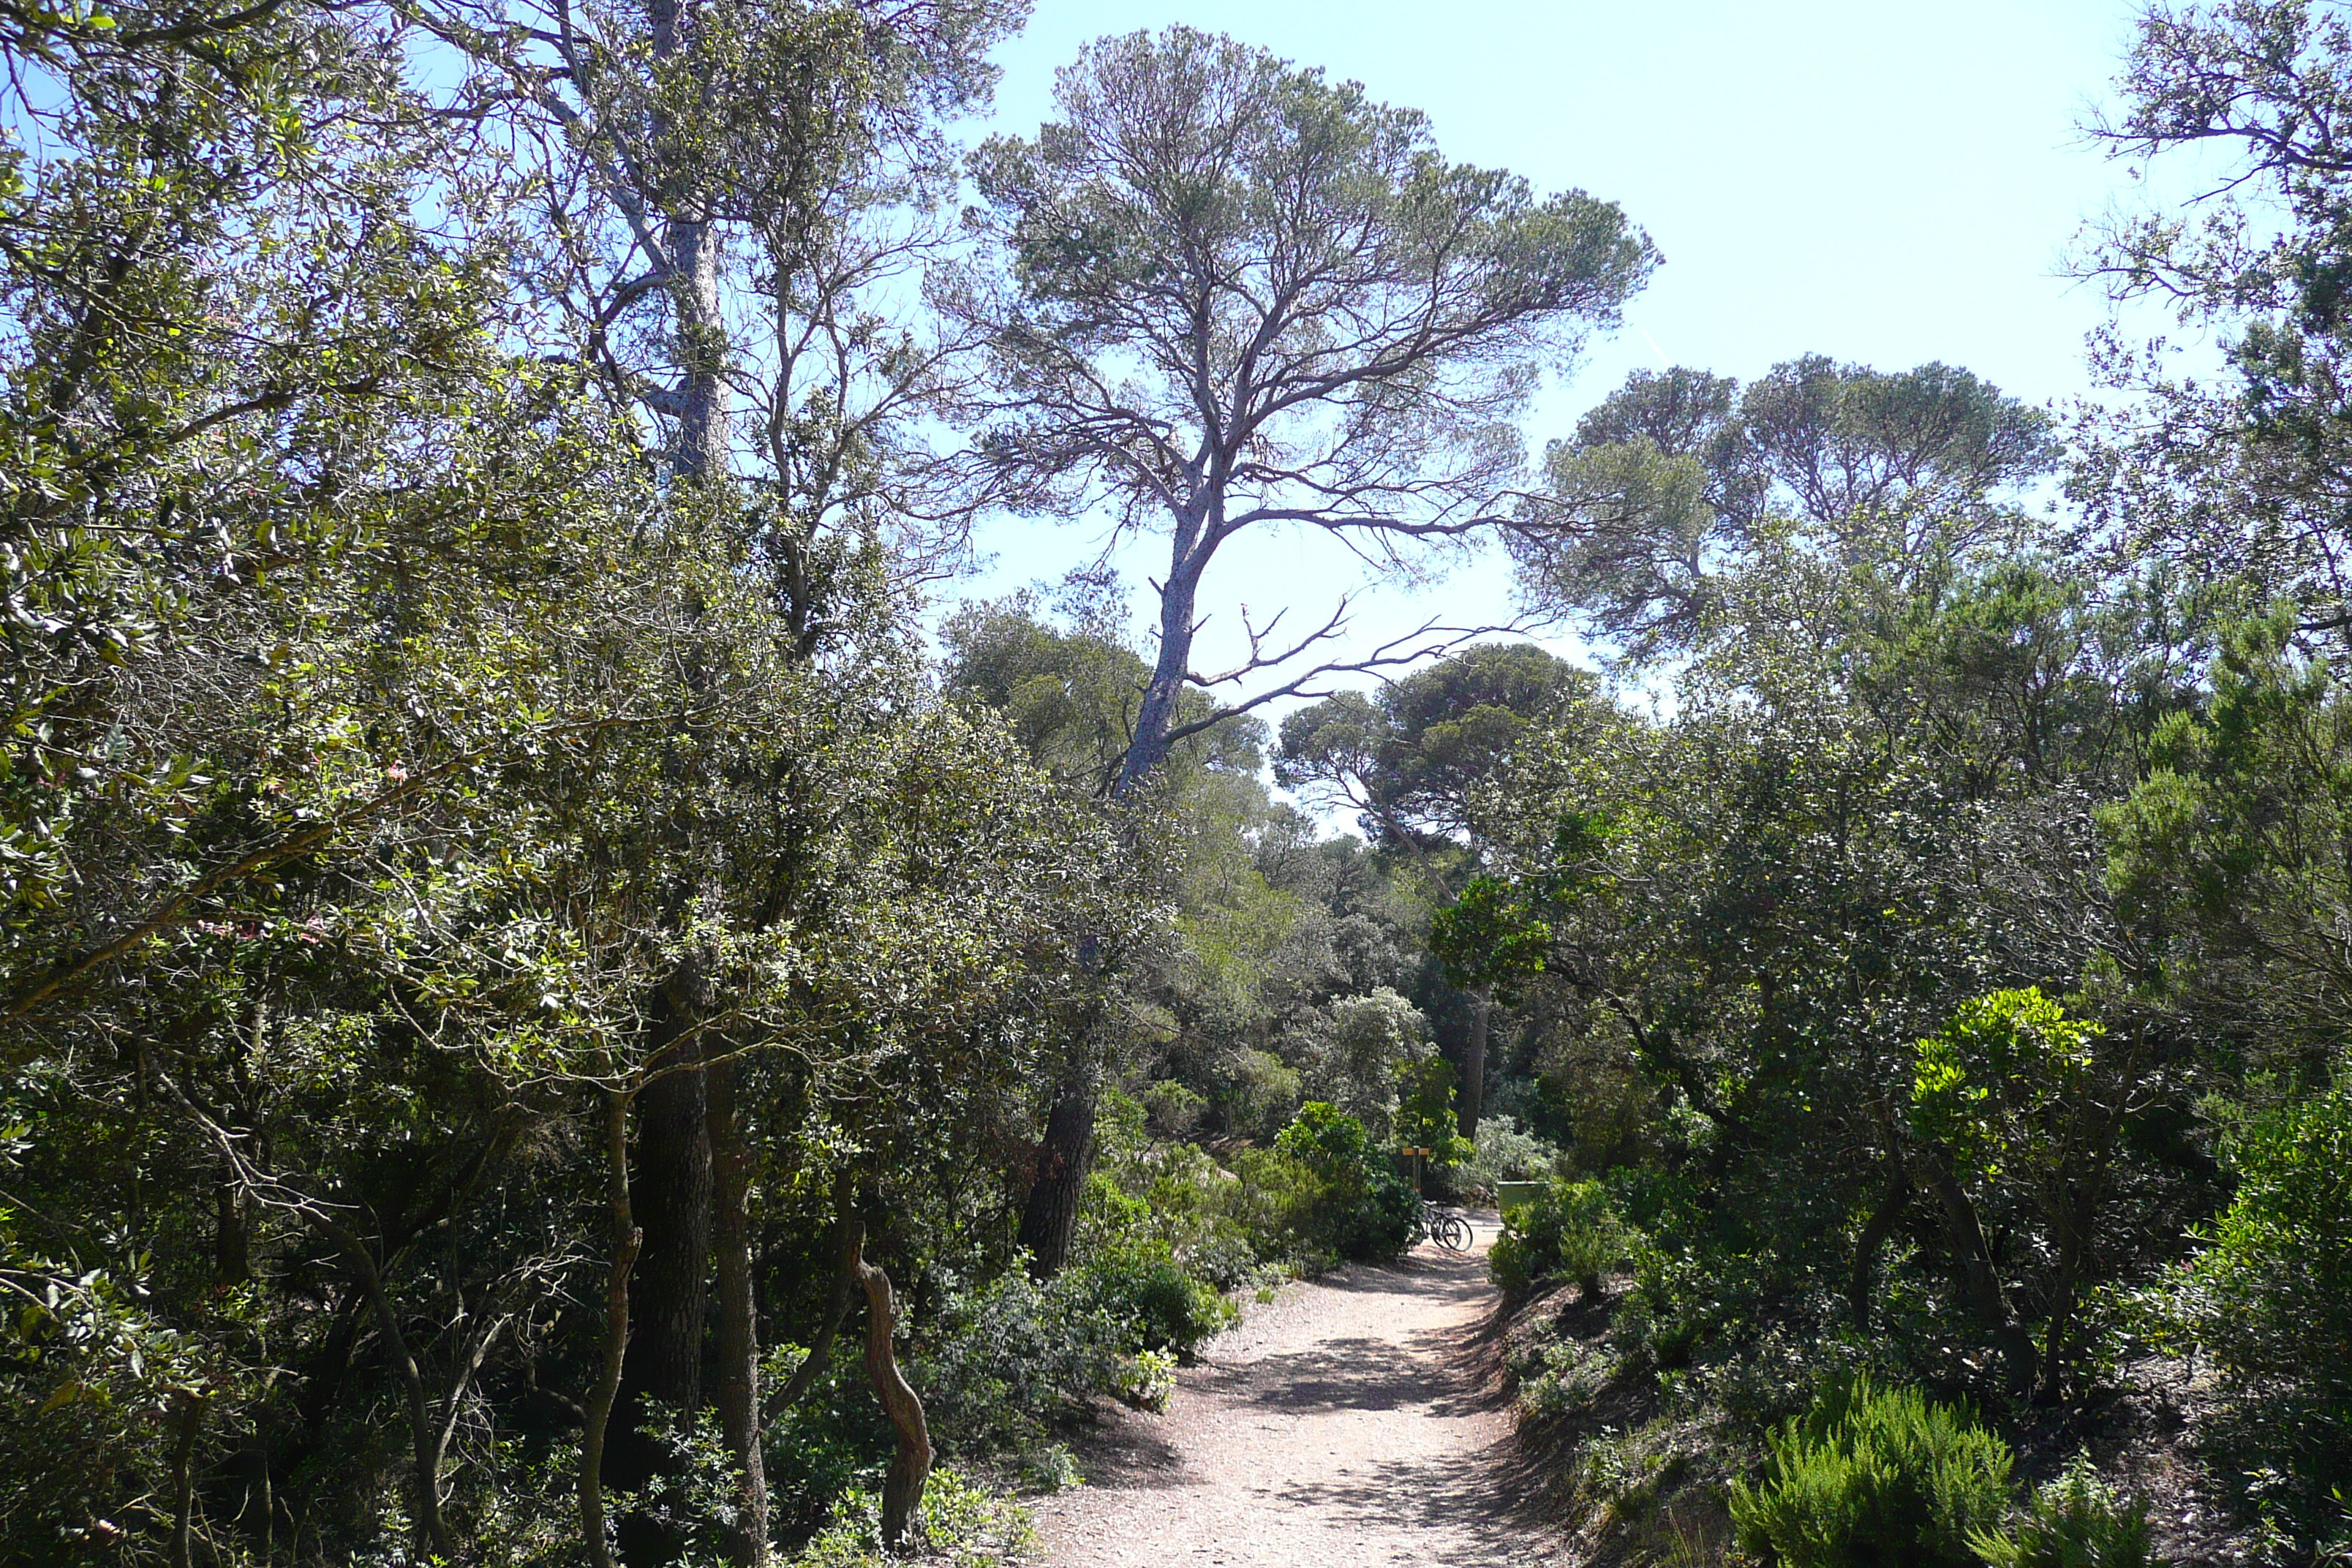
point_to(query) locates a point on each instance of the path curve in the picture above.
(1334, 1426)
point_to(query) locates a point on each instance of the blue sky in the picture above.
(1888, 183)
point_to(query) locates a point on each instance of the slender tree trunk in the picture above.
(1049, 1219)
(183, 1478)
(1147, 748)
(425, 1451)
(2075, 1217)
(698, 346)
(1863, 1286)
(626, 1241)
(848, 1240)
(1987, 1300)
(669, 1293)
(902, 1490)
(232, 1232)
(702, 426)
(738, 1386)
(1474, 1057)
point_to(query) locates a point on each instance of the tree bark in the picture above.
(1986, 1298)
(702, 426)
(1049, 1218)
(1474, 1058)
(183, 1478)
(698, 332)
(669, 1293)
(902, 1490)
(1049, 1221)
(738, 1381)
(232, 1232)
(628, 1239)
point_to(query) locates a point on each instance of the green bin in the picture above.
(1512, 1195)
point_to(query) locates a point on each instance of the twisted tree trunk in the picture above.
(902, 1490)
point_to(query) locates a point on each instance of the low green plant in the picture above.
(1147, 1379)
(960, 1522)
(1156, 1304)
(1872, 1477)
(1573, 1231)
(2076, 1520)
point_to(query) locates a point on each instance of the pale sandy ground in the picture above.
(1336, 1426)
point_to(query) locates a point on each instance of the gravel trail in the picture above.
(1334, 1426)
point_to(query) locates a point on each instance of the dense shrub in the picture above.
(2272, 1298)
(1146, 1296)
(1361, 1208)
(1009, 1358)
(1874, 1478)
(1147, 1193)
(2074, 1521)
(962, 1522)
(1573, 1231)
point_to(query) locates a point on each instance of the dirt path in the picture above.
(1333, 1426)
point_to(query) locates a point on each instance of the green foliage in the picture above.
(1357, 1207)
(2270, 1294)
(2075, 1520)
(1425, 1116)
(1507, 1152)
(1998, 1080)
(1573, 1231)
(1874, 1478)
(1156, 1303)
(1489, 935)
(1679, 478)
(960, 1521)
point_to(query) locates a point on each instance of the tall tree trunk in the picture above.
(626, 1240)
(738, 1381)
(1148, 747)
(702, 426)
(902, 1489)
(1474, 1057)
(232, 1231)
(1049, 1221)
(669, 1293)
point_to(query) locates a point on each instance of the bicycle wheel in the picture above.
(1453, 1233)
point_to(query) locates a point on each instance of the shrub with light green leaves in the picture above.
(1874, 1478)
(1574, 1232)
(2270, 1297)
(2074, 1521)
(960, 1522)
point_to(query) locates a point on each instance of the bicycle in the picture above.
(1445, 1228)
